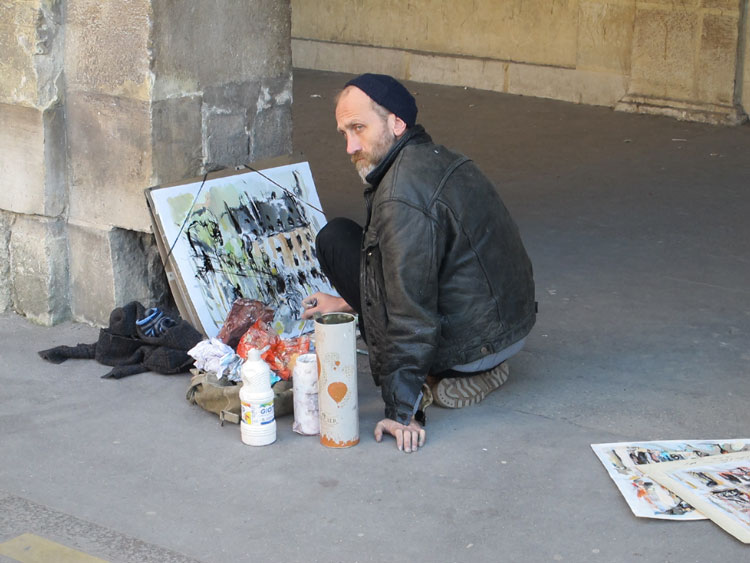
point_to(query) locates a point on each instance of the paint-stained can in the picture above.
(335, 347)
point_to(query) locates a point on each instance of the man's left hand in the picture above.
(408, 438)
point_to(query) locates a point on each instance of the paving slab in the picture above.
(637, 229)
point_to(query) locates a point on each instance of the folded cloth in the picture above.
(130, 347)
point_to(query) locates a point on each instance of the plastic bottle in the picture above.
(258, 425)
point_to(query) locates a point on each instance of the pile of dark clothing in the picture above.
(137, 340)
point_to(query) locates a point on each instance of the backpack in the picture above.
(222, 397)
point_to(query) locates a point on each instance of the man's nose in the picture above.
(352, 144)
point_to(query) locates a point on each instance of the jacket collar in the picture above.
(413, 135)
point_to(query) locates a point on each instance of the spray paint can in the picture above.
(305, 389)
(258, 423)
(335, 346)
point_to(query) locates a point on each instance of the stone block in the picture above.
(233, 96)
(605, 36)
(717, 59)
(92, 291)
(111, 267)
(177, 138)
(32, 145)
(457, 71)
(725, 5)
(271, 134)
(663, 59)
(17, 44)
(531, 31)
(106, 47)
(225, 141)
(109, 141)
(270, 126)
(22, 162)
(38, 252)
(250, 39)
(578, 86)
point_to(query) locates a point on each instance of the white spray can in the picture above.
(258, 424)
(305, 385)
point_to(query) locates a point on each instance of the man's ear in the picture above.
(399, 125)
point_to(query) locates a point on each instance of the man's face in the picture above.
(369, 135)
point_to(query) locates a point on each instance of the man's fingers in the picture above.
(422, 436)
(399, 439)
(379, 431)
(408, 441)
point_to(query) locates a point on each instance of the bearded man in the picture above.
(439, 276)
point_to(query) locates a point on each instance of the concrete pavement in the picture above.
(637, 228)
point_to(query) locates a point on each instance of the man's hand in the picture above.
(322, 303)
(408, 438)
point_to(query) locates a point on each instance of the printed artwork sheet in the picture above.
(645, 497)
(246, 235)
(718, 486)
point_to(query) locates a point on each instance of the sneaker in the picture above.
(458, 392)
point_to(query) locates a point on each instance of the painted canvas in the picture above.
(718, 486)
(646, 498)
(249, 235)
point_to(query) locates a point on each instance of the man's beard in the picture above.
(366, 162)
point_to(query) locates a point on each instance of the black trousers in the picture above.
(338, 246)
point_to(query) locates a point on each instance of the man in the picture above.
(439, 275)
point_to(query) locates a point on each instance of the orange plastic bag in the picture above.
(281, 353)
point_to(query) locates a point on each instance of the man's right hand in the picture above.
(322, 303)
(408, 438)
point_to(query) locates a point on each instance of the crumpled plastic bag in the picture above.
(215, 357)
(243, 314)
(280, 354)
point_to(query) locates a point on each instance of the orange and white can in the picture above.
(336, 349)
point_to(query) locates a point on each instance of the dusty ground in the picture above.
(637, 228)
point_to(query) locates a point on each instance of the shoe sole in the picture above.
(459, 392)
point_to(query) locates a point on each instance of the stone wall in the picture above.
(33, 160)
(101, 100)
(675, 57)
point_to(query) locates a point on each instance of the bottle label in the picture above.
(257, 413)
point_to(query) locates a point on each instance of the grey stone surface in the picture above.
(176, 138)
(20, 516)
(271, 127)
(640, 246)
(149, 96)
(39, 268)
(246, 122)
(111, 267)
(271, 135)
(33, 144)
(22, 165)
(106, 48)
(225, 142)
(109, 139)
(137, 269)
(92, 288)
(215, 43)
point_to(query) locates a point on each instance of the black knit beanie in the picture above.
(389, 93)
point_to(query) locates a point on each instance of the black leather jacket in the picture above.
(445, 278)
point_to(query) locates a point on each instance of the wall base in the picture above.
(714, 114)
